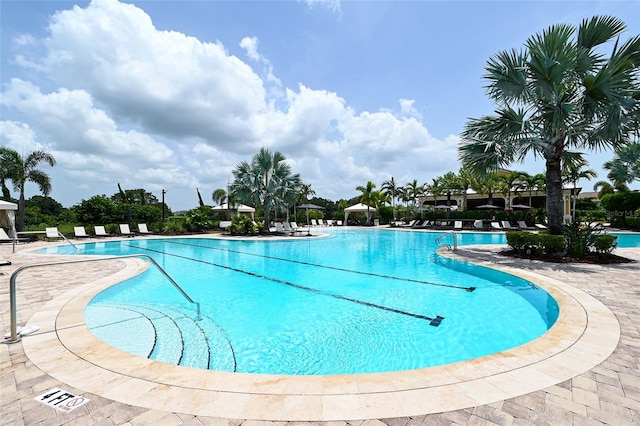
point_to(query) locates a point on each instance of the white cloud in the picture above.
(159, 109)
(332, 5)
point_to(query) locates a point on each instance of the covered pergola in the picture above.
(8, 219)
(358, 208)
(239, 208)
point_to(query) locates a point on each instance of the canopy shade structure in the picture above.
(308, 207)
(358, 208)
(8, 219)
(489, 207)
(520, 206)
(240, 208)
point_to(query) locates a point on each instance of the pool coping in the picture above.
(585, 334)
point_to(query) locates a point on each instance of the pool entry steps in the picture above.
(176, 336)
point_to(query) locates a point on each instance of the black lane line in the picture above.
(335, 268)
(432, 321)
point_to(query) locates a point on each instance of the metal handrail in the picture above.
(12, 286)
(65, 238)
(448, 246)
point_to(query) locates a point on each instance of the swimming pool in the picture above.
(361, 301)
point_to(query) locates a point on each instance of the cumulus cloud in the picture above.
(159, 109)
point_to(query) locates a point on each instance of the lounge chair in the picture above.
(100, 232)
(313, 222)
(329, 222)
(541, 226)
(457, 224)
(478, 224)
(495, 225)
(280, 228)
(339, 223)
(4, 238)
(80, 232)
(291, 228)
(125, 231)
(52, 233)
(142, 229)
(507, 225)
(523, 225)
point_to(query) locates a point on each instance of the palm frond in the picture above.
(598, 30)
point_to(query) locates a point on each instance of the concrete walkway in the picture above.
(606, 394)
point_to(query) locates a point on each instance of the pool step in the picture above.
(165, 333)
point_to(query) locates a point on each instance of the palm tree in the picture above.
(391, 188)
(266, 181)
(449, 185)
(625, 166)
(558, 93)
(366, 197)
(603, 188)
(532, 183)
(303, 195)
(219, 196)
(509, 180)
(572, 172)
(21, 170)
(413, 191)
(488, 184)
(465, 179)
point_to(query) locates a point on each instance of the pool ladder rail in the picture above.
(446, 245)
(15, 336)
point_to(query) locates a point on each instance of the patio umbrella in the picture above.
(520, 206)
(442, 207)
(489, 207)
(307, 207)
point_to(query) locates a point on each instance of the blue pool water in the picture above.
(361, 301)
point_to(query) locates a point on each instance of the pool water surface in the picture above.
(360, 301)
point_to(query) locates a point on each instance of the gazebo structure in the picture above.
(7, 219)
(358, 208)
(238, 208)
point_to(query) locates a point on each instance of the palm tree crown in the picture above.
(558, 93)
(21, 170)
(266, 181)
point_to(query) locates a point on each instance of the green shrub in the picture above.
(519, 241)
(633, 222)
(174, 226)
(112, 228)
(579, 239)
(605, 243)
(552, 245)
(242, 225)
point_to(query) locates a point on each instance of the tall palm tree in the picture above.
(303, 195)
(393, 190)
(219, 196)
(572, 172)
(266, 181)
(366, 197)
(559, 92)
(532, 183)
(603, 188)
(21, 170)
(450, 185)
(465, 179)
(625, 166)
(413, 191)
(488, 184)
(509, 180)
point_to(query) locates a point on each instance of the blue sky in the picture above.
(173, 94)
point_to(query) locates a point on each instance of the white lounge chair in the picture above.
(495, 225)
(339, 223)
(100, 232)
(478, 224)
(314, 222)
(143, 230)
(329, 222)
(80, 232)
(52, 233)
(280, 228)
(523, 225)
(4, 238)
(541, 226)
(507, 225)
(125, 231)
(457, 224)
(291, 229)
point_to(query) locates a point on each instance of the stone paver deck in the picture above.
(605, 393)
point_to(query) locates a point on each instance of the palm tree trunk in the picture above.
(265, 208)
(554, 195)
(21, 205)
